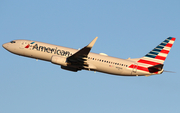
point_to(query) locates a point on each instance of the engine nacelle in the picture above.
(59, 60)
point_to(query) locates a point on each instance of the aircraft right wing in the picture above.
(79, 59)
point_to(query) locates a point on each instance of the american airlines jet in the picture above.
(76, 60)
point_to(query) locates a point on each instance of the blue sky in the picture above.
(125, 29)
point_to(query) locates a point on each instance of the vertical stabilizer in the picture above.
(153, 61)
(159, 53)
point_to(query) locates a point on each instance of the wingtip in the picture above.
(92, 42)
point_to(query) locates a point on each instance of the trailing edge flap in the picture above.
(83, 52)
(156, 67)
(91, 66)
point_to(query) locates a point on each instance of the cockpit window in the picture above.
(12, 42)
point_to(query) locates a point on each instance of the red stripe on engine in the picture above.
(164, 51)
(160, 57)
(168, 45)
(148, 62)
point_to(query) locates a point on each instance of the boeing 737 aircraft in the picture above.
(76, 60)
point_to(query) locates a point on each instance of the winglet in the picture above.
(92, 43)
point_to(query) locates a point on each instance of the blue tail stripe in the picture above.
(169, 38)
(162, 44)
(151, 56)
(166, 41)
(157, 50)
(153, 53)
(159, 47)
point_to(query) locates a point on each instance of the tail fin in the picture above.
(158, 54)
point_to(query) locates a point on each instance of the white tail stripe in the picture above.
(167, 48)
(153, 60)
(171, 42)
(144, 65)
(162, 54)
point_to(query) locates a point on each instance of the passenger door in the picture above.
(134, 70)
(23, 44)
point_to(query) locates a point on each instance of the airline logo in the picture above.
(48, 49)
(156, 56)
(29, 45)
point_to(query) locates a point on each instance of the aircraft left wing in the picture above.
(79, 58)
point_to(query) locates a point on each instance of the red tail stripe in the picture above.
(148, 62)
(160, 57)
(164, 51)
(169, 45)
(173, 39)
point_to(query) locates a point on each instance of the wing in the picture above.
(79, 59)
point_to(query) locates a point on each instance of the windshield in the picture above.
(12, 42)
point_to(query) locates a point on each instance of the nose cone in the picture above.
(5, 45)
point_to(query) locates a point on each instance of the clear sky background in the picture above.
(126, 28)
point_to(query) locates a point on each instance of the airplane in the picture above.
(75, 60)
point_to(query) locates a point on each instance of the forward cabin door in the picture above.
(23, 44)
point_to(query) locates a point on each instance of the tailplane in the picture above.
(155, 68)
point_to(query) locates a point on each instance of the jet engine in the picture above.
(59, 60)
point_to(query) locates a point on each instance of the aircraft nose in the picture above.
(4, 45)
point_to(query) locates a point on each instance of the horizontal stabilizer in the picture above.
(156, 68)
